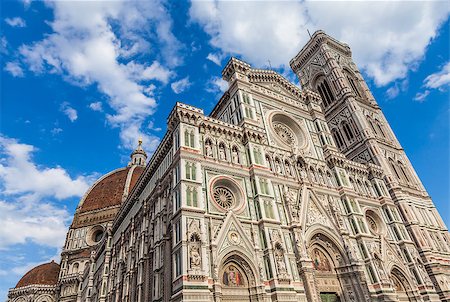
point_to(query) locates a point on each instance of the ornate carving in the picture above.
(223, 197)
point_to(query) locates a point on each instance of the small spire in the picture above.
(138, 156)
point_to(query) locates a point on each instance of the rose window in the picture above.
(224, 197)
(372, 224)
(284, 133)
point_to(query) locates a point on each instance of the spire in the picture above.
(138, 156)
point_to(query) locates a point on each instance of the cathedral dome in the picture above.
(110, 189)
(44, 274)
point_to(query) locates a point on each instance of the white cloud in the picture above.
(439, 79)
(216, 58)
(421, 96)
(14, 69)
(388, 38)
(92, 43)
(181, 85)
(216, 85)
(41, 223)
(56, 131)
(16, 22)
(26, 190)
(70, 112)
(96, 106)
(20, 175)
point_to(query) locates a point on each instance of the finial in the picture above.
(140, 141)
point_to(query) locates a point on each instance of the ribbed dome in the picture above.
(109, 190)
(44, 274)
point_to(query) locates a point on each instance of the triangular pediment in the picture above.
(275, 82)
(232, 236)
(315, 213)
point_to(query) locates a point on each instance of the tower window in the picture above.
(190, 171)
(325, 93)
(189, 138)
(338, 138)
(347, 131)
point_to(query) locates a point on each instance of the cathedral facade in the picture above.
(279, 194)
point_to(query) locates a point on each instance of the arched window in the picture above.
(394, 168)
(189, 138)
(347, 130)
(337, 138)
(191, 196)
(369, 120)
(404, 172)
(380, 128)
(190, 171)
(353, 82)
(325, 93)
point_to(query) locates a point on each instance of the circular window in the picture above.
(95, 235)
(224, 197)
(227, 194)
(284, 133)
(374, 222)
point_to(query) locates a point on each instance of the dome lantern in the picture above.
(138, 156)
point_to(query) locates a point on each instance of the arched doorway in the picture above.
(401, 285)
(328, 284)
(237, 280)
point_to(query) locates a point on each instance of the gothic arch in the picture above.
(238, 278)
(403, 286)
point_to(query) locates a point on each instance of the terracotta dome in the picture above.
(109, 190)
(44, 274)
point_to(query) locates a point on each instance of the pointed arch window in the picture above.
(380, 128)
(325, 93)
(404, 173)
(189, 138)
(338, 138)
(347, 130)
(190, 171)
(394, 169)
(191, 196)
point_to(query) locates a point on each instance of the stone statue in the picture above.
(194, 256)
(235, 156)
(208, 149)
(222, 152)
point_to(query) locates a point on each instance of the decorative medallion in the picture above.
(234, 238)
(224, 197)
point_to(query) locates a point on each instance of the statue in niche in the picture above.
(208, 148)
(278, 166)
(279, 259)
(194, 256)
(287, 168)
(289, 198)
(380, 268)
(222, 155)
(235, 155)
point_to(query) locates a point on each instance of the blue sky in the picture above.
(81, 81)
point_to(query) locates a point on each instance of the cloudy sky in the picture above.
(81, 81)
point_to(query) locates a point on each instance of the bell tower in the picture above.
(361, 132)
